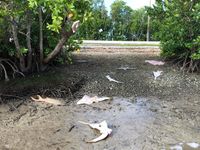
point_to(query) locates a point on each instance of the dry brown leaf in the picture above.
(89, 100)
(103, 129)
(47, 100)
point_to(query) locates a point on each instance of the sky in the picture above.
(134, 4)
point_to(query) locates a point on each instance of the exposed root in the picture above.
(5, 97)
(5, 72)
(60, 92)
(5, 65)
(63, 91)
(188, 65)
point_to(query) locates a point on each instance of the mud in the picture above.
(143, 113)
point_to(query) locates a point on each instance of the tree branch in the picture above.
(64, 37)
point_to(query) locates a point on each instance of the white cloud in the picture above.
(135, 4)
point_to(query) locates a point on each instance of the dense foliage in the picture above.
(179, 31)
(33, 32)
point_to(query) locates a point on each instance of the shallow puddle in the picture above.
(139, 123)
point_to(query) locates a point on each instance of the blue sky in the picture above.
(135, 4)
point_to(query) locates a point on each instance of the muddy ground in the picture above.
(143, 113)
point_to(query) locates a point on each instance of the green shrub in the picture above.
(179, 31)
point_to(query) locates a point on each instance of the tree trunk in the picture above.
(41, 38)
(17, 45)
(64, 37)
(28, 41)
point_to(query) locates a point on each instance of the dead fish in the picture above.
(193, 145)
(47, 100)
(103, 129)
(155, 62)
(125, 68)
(157, 74)
(112, 80)
(89, 100)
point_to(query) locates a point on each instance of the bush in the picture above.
(179, 31)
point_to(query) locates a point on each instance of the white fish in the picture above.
(103, 129)
(47, 100)
(112, 80)
(176, 147)
(157, 74)
(193, 145)
(155, 62)
(125, 68)
(89, 100)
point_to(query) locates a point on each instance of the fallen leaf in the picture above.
(112, 80)
(157, 74)
(89, 100)
(47, 100)
(155, 62)
(103, 129)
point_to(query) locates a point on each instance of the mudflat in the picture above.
(143, 113)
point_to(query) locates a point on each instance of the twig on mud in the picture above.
(71, 128)
(62, 91)
(13, 107)
(14, 96)
(19, 117)
(70, 92)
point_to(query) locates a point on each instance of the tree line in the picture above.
(36, 33)
(121, 23)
